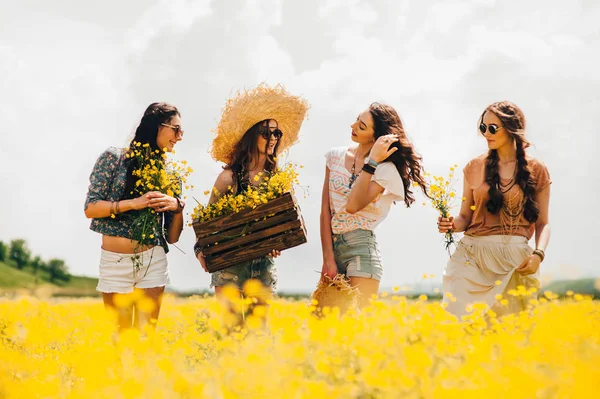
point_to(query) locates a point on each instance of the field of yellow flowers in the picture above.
(394, 349)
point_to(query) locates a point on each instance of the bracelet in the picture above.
(117, 208)
(540, 253)
(373, 163)
(197, 249)
(111, 210)
(369, 169)
(180, 206)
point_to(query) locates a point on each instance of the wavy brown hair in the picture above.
(513, 120)
(146, 133)
(245, 153)
(409, 164)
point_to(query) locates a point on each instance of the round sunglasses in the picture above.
(491, 128)
(275, 133)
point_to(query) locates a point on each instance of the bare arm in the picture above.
(175, 228)
(531, 264)
(222, 186)
(542, 225)
(329, 266)
(364, 191)
(103, 209)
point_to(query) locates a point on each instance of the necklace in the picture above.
(510, 213)
(354, 176)
(504, 188)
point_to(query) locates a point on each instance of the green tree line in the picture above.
(18, 255)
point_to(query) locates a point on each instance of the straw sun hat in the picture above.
(249, 107)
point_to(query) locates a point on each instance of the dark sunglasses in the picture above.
(275, 133)
(491, 128)
(178, 130)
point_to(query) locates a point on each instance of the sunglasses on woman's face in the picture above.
(178, 130)
(275, 133)
(491, 128)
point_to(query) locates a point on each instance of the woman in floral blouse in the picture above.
(112, 207)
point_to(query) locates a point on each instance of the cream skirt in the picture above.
(483, 267)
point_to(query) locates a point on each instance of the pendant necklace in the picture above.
(354, 176)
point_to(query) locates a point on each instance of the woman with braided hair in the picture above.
(505, 201)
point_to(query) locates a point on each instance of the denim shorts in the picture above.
(357, 254)
(262, 269)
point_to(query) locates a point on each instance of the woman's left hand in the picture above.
(164, 203)
(381, 149)
(530, 265)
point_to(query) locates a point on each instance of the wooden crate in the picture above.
(252, 233)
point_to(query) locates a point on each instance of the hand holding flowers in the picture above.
(442, 196)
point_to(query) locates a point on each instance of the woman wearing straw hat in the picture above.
(361, 184)
(255, 127)
(506, 199)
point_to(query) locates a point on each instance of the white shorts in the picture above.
(119, 275)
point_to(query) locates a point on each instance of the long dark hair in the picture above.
(245, 153)
(146, 132)
(387, 121)
(513, 121)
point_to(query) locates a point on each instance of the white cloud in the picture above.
(82, 84)
(166, 15)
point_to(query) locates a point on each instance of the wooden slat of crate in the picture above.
(249, 228)
(256, 250)
(250, 238)
(223, 223)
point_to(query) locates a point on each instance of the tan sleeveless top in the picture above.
(509, 221)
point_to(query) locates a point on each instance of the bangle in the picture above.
(117, 208)
(540, 253)
(369, 169)
(373, 163)
(111, 210)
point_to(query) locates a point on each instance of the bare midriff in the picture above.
(122, 245)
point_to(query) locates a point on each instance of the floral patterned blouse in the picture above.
(107, 183)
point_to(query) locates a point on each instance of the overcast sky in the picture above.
(77, 75)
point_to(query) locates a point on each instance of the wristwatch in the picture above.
(369, 161)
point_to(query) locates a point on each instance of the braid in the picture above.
(526, 182)
(513, 120)
(492, 178)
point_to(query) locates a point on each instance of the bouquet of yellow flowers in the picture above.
(272, 185)
(154, 173)
(442, 197)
